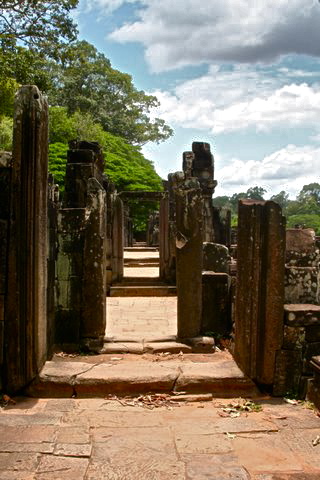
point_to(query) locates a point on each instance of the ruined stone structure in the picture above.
(301, 330)
(81, 259)
(66, 255)
(260, 288)
(24, 247)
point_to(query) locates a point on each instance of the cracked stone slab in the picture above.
(122, 347)
(73, 450)
(163, 347)
(52, 467)
(126, 378)
(56, 379)
(222, 377)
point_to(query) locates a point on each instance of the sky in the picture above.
(242, 75)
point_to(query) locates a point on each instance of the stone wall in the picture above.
(301, 325)
(301, 341)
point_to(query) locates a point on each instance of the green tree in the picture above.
(221, 201)
(6, 133)
(40, 25)
(307, 220)
(87, 82)
(255, 193)
(310, 192)
(282, 198)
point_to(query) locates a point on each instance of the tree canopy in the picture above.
(85, 81)
(38, 24)
(304, 210)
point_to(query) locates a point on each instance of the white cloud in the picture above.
(286, 169)
(189, 32)
(240, 100)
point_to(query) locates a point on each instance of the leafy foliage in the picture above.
(6, 133)
(307, 220)
(38, 24)
(125, 164)
(304, 210)
(86, 82)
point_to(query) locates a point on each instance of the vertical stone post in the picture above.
(26, 312)
(53, 209)
(260, 288)
(94, 266)
(189, 207)
(81, 259)
(5, 191)
(203, 169)
(117, 239)
(170, 271)
(164, 252)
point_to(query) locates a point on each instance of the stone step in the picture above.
(122, 375)
(141, 249)
(140, 281)
(301, 314)
(151, 261)
(142, 291)
(136, 264)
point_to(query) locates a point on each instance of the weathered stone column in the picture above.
(81, 259)
(117, 238)
(164, 252)
(203, 170)
(260, 288)
(216, 293)
(5, 190)
(26, 312)
(94, 262)
(189, 207)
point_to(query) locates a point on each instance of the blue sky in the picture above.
(243, 75)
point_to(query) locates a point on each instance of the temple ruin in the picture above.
(62, 258)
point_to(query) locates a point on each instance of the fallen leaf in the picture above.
(316, 441)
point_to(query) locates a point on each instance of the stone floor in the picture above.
(53, 439)
(141, 317)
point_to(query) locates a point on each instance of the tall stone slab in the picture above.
(5, 189)
(203, 170)
(189, 208)
(117, 238)
(82, 253)
(93, 324)
(26, 307)
(164, 252)
(260, 288)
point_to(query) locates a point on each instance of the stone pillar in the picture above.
(94, 262)
(222, 225)
(117, 238)
(81, 262)
(26, 308)
(203, 169)
(189, 207)
(5, 190)
(110, 189)
(216, 290)
(53, 209)
(164, 253)
(260, 288)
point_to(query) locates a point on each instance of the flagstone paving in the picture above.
(110, 438)
(141, 317)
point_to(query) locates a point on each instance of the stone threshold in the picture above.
(142, 291)
(98, 376)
